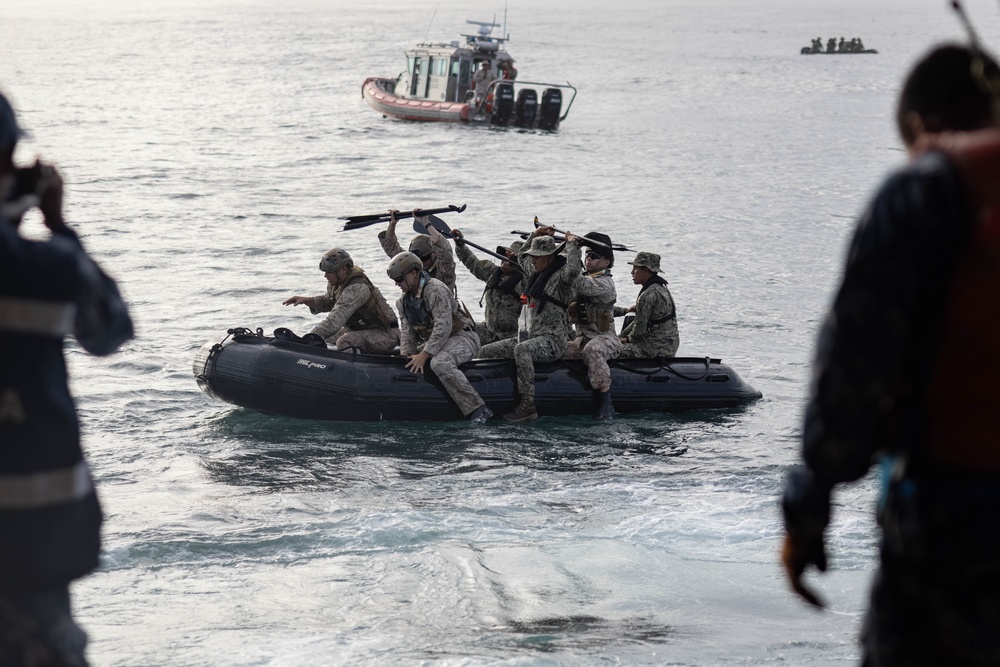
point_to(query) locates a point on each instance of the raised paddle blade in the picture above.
(359, 221)
(436, 222)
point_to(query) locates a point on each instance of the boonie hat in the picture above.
(647, 260)
(542, 246)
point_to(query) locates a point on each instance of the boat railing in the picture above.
(491, 90)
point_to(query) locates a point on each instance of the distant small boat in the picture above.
(807, 51)
(437, 87)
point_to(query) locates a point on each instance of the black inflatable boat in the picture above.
(294, 379)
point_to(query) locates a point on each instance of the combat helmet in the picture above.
(402, 264)
(421, 246)
(335, 259)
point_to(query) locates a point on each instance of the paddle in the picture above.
(586, 241)
(359, 221)
(445, 230)
(562, 239)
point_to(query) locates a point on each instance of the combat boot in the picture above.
(480, 414)
(605, 410)
(525, 411)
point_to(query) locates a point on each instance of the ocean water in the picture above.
(209, 147)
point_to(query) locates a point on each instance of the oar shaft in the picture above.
(359, 221)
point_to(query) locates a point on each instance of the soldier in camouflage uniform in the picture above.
(435, 327)
(653, 332)
(549, 292)
(432, 248)
(359, 316)
(502, 293)
(592, 314)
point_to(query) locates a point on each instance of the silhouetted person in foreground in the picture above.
(49, 515)
(905, 374)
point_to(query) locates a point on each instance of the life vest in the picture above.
(375, 313)
(961, 404)
(507, 286)
(535, 295)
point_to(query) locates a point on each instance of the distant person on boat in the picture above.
(508, 71)
(502, 293)
(432, 248)
(481, 81)
(592, 314)
(436, 330)
(840, 47)
(359, 316)
(860, 45)
(831, 45)
(653, 333)
(547, 294)
(50, 517)
(905, 374)
(817, 45)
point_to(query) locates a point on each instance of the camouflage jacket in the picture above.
(356, 304)
(436, 316)
(547, 313)
(654, 329)
(502, 294)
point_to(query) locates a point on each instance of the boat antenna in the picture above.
(967, 24)
(988, 82)
(432, 22)
(506, 36)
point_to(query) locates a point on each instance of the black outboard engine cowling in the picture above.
(503, 103)
(551, 108)
(526, 108)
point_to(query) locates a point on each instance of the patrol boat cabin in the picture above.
(447, 83)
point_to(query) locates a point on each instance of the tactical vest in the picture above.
(418, 316)
(375, 313)
(585, 310)
(652, 322)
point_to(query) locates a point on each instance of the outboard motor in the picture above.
(503, 103)
(551, 108)
(526, 108)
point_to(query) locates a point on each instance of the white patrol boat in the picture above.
(440, 85)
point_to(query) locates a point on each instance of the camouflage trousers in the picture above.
(37, 629)
(525, 354)
(488, 335)
(366, 341)
(596, 351)
(666, 348)
(458, 349)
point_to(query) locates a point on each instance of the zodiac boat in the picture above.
(294, 379)
(437, 87)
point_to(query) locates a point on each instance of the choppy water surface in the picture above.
(209, 148)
